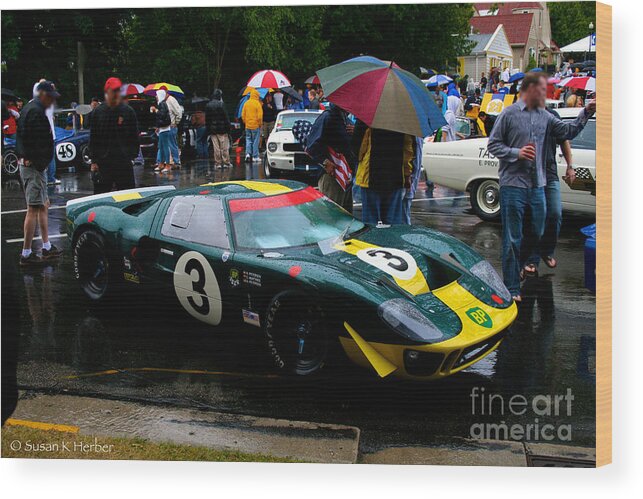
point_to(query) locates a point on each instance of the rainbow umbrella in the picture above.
(175, 90)
(132, 89)
(268, 78)
(382, 95)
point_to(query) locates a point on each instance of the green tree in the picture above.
(570, 20)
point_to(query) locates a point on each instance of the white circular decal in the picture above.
(394, 262)
(65, 151)
(197, 287)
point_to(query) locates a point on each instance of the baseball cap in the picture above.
(48, 88)
(113, 83)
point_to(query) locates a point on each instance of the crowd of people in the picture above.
(383, 166)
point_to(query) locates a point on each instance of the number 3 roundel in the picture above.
(197, 287)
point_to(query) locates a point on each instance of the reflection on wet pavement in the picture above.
(144, 351)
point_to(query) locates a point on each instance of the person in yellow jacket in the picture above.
(252, 116)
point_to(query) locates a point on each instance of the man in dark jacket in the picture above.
(35, 148)
(113, 141)
(217, 123)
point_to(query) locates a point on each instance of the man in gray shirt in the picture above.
(518, 141)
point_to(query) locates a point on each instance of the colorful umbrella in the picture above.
(246, 95)
(382, 95)
(132, 89)
(438, 80)
(268, 78)
(262, 91)
(175, 90)
(553, 80)
(313, 80)
(580, 82)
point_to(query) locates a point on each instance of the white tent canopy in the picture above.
(581, 45)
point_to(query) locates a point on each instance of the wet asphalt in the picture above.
(147, 351)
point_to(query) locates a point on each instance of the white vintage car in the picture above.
(283, 152)
(466, 165)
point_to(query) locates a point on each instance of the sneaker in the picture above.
(53, 182)
(158, 168)
(53, 252)
(227, 165)
(30, 261)
(248, 158)
(167, 169)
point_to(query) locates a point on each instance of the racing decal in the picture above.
(130, 273)
(250, 317)
(480, 317)
(65, 151)
(225, 256)
(267, 188)
(282, 200)
(197, 288)
(234, 278)
(126, 196)
(167, 251)
(251, 278)
(395, 262)
(485, 158)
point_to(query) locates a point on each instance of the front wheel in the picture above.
(296, 334)
(84, 155)
(485, 200)
(94, 270)
(10, 163)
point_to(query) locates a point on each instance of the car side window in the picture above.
(586, 139)
(197, 219)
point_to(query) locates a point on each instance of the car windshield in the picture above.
(296, 218)
(587, 138)
(286, 121)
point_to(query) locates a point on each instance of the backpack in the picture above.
(163, 116)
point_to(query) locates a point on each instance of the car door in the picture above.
(583, 157)
(194, 256)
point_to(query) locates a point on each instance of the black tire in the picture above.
(85, 159)
(10, 166)
(96, 271)
(485, 200)
(296, 333)
(268, 171)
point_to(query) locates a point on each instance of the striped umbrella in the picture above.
(268, 78)
(438, 80)
(382, 95)
(175, 90)
(313, 80)
(132, 89)
(580, 82)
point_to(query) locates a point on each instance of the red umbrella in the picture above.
(132, 89)
(268, 78)
(580, 82)
(313, 80)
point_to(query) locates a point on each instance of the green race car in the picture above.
(279, 256)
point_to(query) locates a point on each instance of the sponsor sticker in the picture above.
(225, 256)
(250, 317)
(234, 278)
(480, 317)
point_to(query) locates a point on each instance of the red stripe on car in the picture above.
(279, 201)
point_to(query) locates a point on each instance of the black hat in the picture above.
(48, 88)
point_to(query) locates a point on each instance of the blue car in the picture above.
(71, 146)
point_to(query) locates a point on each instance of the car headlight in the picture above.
(484, 271)
(272, 146)
(406, 319)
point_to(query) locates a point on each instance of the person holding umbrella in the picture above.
(113, 141)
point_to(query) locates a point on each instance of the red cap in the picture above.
(113, 83)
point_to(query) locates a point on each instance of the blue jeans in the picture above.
(553, 221)
(174, 146)
(252, 142)
(514, 203)
(385, 207)
(164, 147)
(51, 170)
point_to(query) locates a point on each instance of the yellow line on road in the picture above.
(42, 426)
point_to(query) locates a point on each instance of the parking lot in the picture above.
(159, 355)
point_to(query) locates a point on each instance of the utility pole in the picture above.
(81, 69)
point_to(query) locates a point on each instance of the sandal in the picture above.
(528, 270)
(550, 261)
(517, 298)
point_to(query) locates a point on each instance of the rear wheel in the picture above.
(296, 334)
(10, 163)
(84, 155)
(485, 200)
(94, 269)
